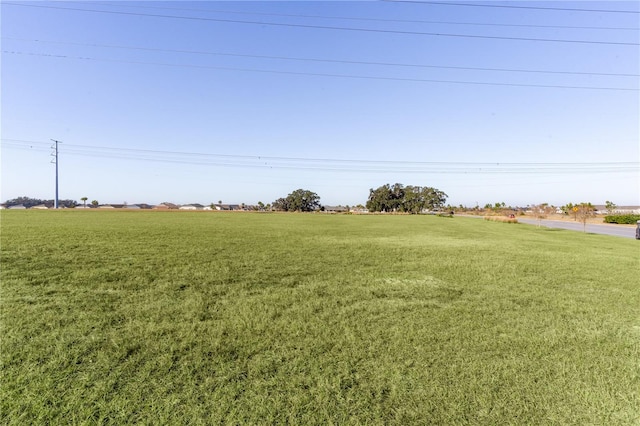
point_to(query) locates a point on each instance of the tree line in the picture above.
(29, 202)
(386, 198)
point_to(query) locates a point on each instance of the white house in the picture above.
(627, 210)
(195, 206)
(600, 209)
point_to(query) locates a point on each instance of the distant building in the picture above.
(359, 210)
(618, 210)
(17, 207)
(40, 207)
(165, 206)
(195, 206)
(335, 209)
(628, 210)
(227, 207)
(116, 206)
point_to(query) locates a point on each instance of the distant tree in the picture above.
(29, 202)
(412, 200)
(499, 206)
(380, 199)
(584, 211)
(570, 209)
(434, 198)
(25, 201)
(303, 200)
(423, 198)
(95, 203)
(397, 196)
(409, 199)
(300, 200)
(611, 207)
(68, 204)
(541, 211)
(84, 201)
(260, 205)
(281, 205)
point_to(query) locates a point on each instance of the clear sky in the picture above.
(516, 102)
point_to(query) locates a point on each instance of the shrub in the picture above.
(501, 219)
(629, 219)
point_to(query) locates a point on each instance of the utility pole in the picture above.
(54, 154)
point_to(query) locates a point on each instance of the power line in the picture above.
(325, 27)
(350, 18)
(31, 143)
(338, 61)
(560, 9)
(335, 165)
(349, 76)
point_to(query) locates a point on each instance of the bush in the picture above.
(501, 219)
(629, 219)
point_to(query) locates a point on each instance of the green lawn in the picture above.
(239, 318)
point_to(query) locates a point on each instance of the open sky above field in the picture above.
(516, 102)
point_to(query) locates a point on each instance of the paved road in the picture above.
(614, 230)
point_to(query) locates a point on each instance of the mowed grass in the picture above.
(214, 318)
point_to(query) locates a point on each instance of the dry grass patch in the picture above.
(501, 219)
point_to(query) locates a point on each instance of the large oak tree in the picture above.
(300, 200)
(406, 199)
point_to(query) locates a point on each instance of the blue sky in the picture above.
(247, 101)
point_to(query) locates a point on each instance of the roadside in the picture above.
(594, 225)
(625, 231)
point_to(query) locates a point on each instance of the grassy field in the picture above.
(209, 318)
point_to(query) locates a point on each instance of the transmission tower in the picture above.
(54, 160)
